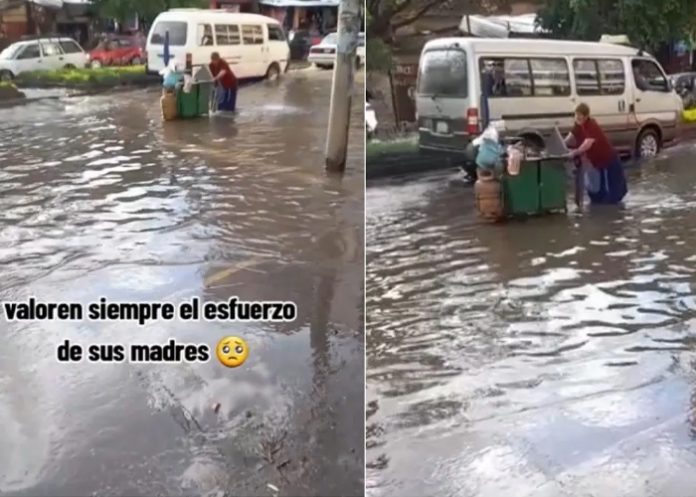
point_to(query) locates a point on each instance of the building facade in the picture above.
(318, 16)
(35, 17)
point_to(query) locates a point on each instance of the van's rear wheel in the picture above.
(273, 72)
(6, 75)
(648, 144)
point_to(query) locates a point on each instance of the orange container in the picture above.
(489, 197)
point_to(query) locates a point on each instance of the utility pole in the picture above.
(342, 85)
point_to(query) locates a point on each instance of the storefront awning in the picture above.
(49, 4)
(58, 4)
(300, 3)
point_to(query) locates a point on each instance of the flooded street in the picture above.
(547, 358)
(101, 198)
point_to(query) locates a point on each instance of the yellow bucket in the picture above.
(689, 116)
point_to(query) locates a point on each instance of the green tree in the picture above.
(122, 10)
(647, 23)
(386, 17)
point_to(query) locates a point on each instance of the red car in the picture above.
(117, 52)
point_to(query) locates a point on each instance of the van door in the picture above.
(654, 100)
(229, 45)
(278, 49)
(178, 38)
(204, 44)
(530, 94)
(254, 49)
(446, 101)
(601, 83)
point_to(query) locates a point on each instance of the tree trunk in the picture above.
(31, 25)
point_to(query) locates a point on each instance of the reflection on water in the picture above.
(99, 197)
(550, 357)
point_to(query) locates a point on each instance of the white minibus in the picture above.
(534, 86)
(255, 46)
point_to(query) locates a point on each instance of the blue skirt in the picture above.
(226, 99)
(608, 184)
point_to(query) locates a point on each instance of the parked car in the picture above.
(323, 55)
(684, 85)
(41, 54)
(117, 51)
(301, 41)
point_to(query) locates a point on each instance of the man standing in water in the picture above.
(226, 83)
(606, 183)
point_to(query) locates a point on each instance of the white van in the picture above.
(255, 46)
(534, 85)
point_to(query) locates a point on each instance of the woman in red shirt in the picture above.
(606, 181)
(225, 81)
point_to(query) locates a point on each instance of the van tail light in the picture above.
(189, 61)
(472, 121)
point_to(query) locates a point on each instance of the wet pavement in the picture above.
(100, 198)
(547, 358)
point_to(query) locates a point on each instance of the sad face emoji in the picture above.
(232, 351)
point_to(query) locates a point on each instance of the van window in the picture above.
(518, 78)
(444, 72)
(275, 33)
(204, 35)
(612, 79)
(551, 77)
(30, 52)
(70, 46)
(586, 77)
(177, 33)
(227, 34)
(252, 35)
(648, 76)
(599, 76)
(506, 77)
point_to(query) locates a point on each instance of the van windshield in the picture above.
(443, 72)
(177, 33)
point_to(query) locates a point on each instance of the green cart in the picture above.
(195, 103)
(539, 188)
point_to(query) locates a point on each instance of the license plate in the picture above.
(441, 127)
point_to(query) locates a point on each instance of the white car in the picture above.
(41, 54)
(323, 55)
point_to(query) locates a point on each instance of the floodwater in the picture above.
(101, 198)
(548, 358)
